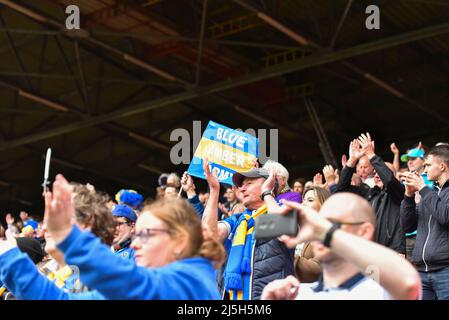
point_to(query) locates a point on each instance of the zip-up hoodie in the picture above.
(431, 220)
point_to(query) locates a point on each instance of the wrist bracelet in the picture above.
(266, 193)
(330, 233)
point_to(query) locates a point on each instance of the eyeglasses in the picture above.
(347, 223)
(148, 233)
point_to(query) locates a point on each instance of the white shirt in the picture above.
(359, 287)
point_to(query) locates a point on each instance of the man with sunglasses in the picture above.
(354, 267)
(125, 220)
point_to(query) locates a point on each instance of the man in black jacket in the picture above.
(431, 219)
(385, 197)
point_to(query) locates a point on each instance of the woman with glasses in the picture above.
(307, 268)
(173, 260)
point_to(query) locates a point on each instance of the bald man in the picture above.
(354, 267)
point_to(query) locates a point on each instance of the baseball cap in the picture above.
(122, 210)
(238, 177)
(413, 153)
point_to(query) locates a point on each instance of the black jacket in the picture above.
(386, 204)
(344, 183)
(431, 220)
(272, 260)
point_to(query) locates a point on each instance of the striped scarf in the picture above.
(237, 275)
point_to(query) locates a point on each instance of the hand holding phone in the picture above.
(272, 225)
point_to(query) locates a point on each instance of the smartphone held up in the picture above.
(273, 225)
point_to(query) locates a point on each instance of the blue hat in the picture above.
(122, 210)
(129, 197)
(413, 153)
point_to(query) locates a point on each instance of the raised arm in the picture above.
(395, 274)
(396, 158)
(210, 220)
(394, 188)
(22, 278)
(103, 270)
(355, 153)
(189, 188)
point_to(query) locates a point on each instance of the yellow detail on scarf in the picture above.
(60, 276)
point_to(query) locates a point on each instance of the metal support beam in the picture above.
(309, 62)
(234, 26)
(41, 62)
(146, 36)
(375, 80)
(65, 77)
(200, 45)
(86, 36)
(340, 23)
(72, 111)
(16, 52)
(68, 66)
(85, 96)
(443, 3)
(323, 142)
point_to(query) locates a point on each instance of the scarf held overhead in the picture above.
(238, 269)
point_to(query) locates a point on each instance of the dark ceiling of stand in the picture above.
(107, 97)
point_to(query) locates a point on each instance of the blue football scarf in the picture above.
(237, 276)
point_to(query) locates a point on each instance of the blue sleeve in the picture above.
(232, 220)
(197, 205)
(22, 278)
(199, 208)
(118, 278)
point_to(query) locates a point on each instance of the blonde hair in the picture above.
(181, 217)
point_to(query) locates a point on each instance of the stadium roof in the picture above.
(106, 98)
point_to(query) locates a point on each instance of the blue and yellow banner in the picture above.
(227, 150)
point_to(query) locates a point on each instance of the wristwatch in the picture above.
(266, 193)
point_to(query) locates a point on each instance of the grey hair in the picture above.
(177, 179)
(280, 169)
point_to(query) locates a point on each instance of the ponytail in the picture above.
(213, 250)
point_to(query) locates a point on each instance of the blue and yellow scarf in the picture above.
(237, 275)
